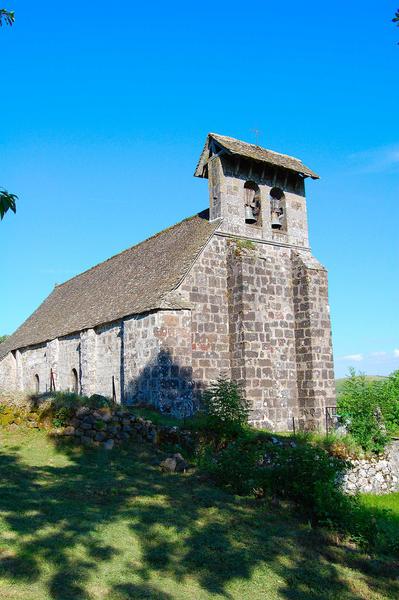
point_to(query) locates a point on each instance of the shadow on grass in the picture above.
(185, 529)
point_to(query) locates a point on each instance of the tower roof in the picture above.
(251, 151)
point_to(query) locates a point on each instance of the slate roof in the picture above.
(233, 146)
(135, 281)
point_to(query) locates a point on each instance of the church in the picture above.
(233, 291)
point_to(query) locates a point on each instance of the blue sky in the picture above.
(105, 108)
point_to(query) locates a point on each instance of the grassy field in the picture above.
(95, 525)
(389, 502)
(385, 510)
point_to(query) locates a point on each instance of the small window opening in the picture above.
(252, 203)
(36, 383)
(75, 381)
(277, 208)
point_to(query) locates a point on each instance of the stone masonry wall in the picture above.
(68, 359)
(262, 341)
(108, 360)
(315, 369)
(34, 362)
(8, 372)
(140, 350)
(206, 287)
(88, 367)
(259, 315)
(227, 200)
(158, 361)
(378, 475)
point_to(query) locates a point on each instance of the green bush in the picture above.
(62, 417)
(235, 467)
(388, 394)
(226, 408)
(305, 475)
(370, 409)
(301, 473)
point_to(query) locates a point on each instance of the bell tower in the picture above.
(259, 194)
(279, 334)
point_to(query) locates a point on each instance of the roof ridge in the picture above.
(103, 262)
(227, 137)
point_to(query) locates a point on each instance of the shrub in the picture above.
(235, 467)
(301, 473)
(308, 476)
(388, 394)
(62, 417)
(370, 409)
(226, 408)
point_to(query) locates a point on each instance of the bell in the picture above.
(249, 215)
(276, 221)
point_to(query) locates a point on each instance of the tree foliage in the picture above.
(7, 17)
(370, 409)
(7, 202)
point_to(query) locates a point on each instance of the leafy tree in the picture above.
(7, 200)
(396, 19)
(7, 17)
(370, 409)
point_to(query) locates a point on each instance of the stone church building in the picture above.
(232, 291)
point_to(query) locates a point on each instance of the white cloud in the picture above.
(378, 354)
(396, 353)
(354, 357)
(377, 159)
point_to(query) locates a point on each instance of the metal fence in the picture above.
(331, 418)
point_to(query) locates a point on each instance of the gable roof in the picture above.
(233, 146)
(137, 280)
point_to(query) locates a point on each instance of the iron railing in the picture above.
(331, 418)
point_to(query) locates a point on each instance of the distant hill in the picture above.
(340, 382)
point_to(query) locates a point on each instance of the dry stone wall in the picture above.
(379, 475)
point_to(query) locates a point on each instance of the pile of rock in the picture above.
(103, 427)
(174, 464)
(379, 475)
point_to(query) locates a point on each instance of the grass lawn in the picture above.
(87, 524)
(388, 502)
(385, 510)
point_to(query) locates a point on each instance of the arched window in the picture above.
(252, 203)
(36, 383)
(75, 381)
(277, 209)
